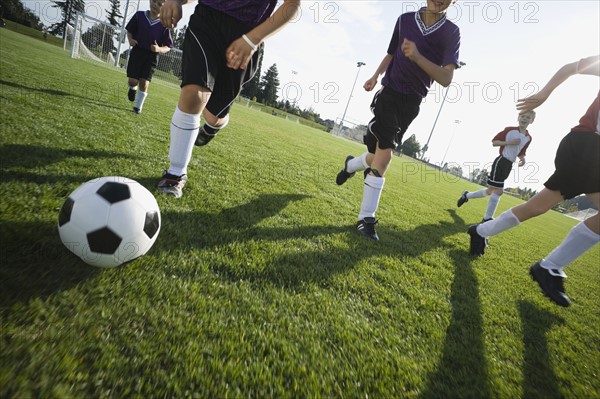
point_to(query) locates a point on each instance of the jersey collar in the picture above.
(427, 30)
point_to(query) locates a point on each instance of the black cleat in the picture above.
(477, 241)
(366, 227)
(137, 111)
(463, 198)
(131, 94)
(552, 286)
(203, 137)
(343, 175)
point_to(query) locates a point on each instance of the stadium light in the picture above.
(359, 65)
(456, 122)
(426, 146)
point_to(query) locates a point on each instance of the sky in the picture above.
(511, 49)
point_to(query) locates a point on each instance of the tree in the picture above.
(13, 10)
(68, 9)
(178, 37)
(268, 86)
(114, 14)
(252, 88)
(411, 147)
(479, 176)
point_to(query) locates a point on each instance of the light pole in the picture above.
(426, 146)
(358, 64)
(457, 122)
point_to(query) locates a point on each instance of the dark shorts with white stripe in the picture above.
(501, 169)
(209, 34)
(393, 113)
(577, 165)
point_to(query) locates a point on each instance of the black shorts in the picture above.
(501, 169)
(393, 113)
(141, 64)
(209, 34)
(577, 165)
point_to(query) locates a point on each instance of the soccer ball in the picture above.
(109, 221)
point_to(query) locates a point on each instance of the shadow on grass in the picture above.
(35, 263)
(461, 371)
(60, 93)
(539, 380)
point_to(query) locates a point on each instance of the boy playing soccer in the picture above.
(513, 143)
(577, 172)
(220, 53)
(424, 48)
(148, 38)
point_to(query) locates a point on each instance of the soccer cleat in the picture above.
(343, 175)
(366, 227)
(552, 286)
(172, 185)
(203, 137)
(131, 94)
(477, 241)
(137, 111)
(463, 198)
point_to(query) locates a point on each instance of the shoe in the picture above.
(463, 198)
(131, 94)
(552, 286)
(203, 137)
(366, 227)
(343, 175)
(137, 111)
(172, 185)
(477, 241)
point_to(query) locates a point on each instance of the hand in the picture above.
(370, 84)
(529, 103)
(410, 50)
(238, 54)
(155, 48)
(133, 42)
(170, 13)
(521, 162)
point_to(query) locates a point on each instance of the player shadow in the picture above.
(539, 379)
(27, 162)
(462, 370)
(58, 93)
(35, 263)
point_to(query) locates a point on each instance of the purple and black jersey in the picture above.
(253, 12)
(146, 31)
(439, 43)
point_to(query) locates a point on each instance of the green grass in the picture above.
(258, 285)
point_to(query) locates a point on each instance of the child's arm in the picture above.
(239, 53)
(521, 160)
(442, 75)
(132, 41)
(372, 82)
(501, 143)
(585, 66)
(155, 48)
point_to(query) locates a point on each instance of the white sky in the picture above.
(511, 48)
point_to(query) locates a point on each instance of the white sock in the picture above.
(575, 244)
(371, 195)
(134, 87)
(492, 206)
(358, 163)
(477, 194)
(502, 223)
(184, 130)
(140, 97)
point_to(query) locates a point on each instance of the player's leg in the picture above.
(548, 272)
(492, 182)
(492, 204)
(141, 95)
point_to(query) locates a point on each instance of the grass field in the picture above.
(258, 285)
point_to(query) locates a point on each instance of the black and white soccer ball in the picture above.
(109, 221)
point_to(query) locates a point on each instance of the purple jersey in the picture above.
(439, 43)
(253, 12)
(146, 31)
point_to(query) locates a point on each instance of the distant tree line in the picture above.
(13, 10)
